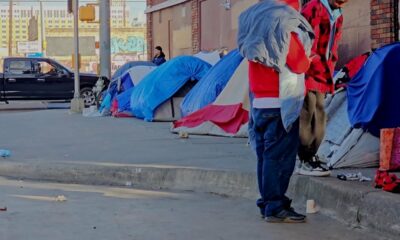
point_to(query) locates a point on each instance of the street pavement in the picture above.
(95, 212)
(33, 105)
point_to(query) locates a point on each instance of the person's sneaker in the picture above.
(291, 209)
(286, 216)
(314, 169)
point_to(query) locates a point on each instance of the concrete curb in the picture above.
(360, 207)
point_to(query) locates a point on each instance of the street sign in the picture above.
(34, 55)
(28, 47)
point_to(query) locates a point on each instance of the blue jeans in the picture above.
(276, 152)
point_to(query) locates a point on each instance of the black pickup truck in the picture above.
(42, 79)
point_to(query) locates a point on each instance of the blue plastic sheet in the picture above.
(124, 100)
(109, 96)
(164, 82)
(206, 91)
(124, 68)
(373, 94)
(126, 82)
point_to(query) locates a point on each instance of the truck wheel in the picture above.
(88, 96)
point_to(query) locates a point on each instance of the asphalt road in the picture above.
(110, 213)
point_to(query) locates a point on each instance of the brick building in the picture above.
(188, 26)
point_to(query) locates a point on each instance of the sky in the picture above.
(137, 7)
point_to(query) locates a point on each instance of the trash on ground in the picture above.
(5, 153)
(61, 198)
(311, 207)
(353, 177)
(183, 135)
(92, 111)
(128, 184)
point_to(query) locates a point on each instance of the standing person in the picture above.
(276, 104)
(325, 16)
(159, 58)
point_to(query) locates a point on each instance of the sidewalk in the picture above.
(33, 105)
(57, 146)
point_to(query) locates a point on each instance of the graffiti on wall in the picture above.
(130, 45)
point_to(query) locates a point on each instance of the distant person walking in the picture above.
(159, 58)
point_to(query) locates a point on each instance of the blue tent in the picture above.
(164, 82)
(124, 82)
(373, 94)
(124, 68)
(212, 84)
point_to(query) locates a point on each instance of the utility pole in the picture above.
(105, 38)
(124, 12)
(10, 28)
(77, 104)
(42, 26)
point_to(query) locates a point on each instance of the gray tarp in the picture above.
(344, 146)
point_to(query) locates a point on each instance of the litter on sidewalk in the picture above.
(5, 153)
(353, 177)
(311, 207)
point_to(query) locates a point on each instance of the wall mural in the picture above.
(130, 45)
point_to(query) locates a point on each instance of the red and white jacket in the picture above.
(264, 81)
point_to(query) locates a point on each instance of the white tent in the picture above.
(228, 115)
(210, 57)
(135, 75)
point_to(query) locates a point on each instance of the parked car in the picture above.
(43, 79)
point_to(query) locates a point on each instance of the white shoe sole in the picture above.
(301, 171)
